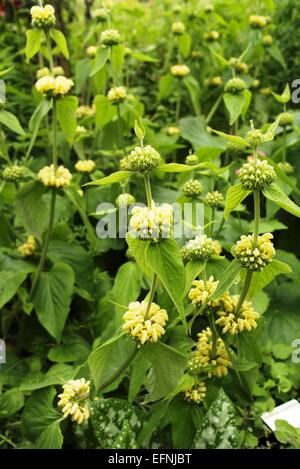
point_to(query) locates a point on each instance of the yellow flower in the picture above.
(200, 292)
(196, 394)
(42, 16)
(144, 325)
(91, 51)
(42, 72)
(213, 82)
(152, 224)
(172, 130)
(28, 248)
(178, 28)
(58, 70)
(85, 166)
(205, 361)
(180, 71)
(235, 323)
(85, 111)
(54, 86)
(255, 257)
(51, 178)
(211, 36)
(257, 21)
(73, 400)
(117, 94)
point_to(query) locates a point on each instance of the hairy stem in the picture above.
(148, 190)
(121, 137)
(119, 371)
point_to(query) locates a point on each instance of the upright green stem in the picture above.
(284, 145)
(119, 371)
(243, 295)
(256, 195)
(148, 190)
(120, 130)
(54, 144)
(151, 294)
(178, 102)
(213, 109)
(51, 63)
(46, 243)
(52, 206)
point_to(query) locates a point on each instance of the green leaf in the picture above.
(165, 86)
(51, 437)
(9, 284)
(231, 138)
(52, 298)
(107, 359)
(39, 415)
(218, 429)
(127, 287)
(138, 249)
(248, 96)
(101, 58)
(276, 53)
(6, 71)
(275, 194)
(105, 111)
(33, 42)
(58, 374)
(108, 417)
(175, 168)
(194, 90)
(168, 366)
(195, 131)
(228, 277)
(111, 179)
(117, 59)
(165, 260)
(11, 402)
(141, 57)
(287, 434)
(60, 40)
(31, 209)
(285, 97)
(137, 377)
(261, 279)
(73, 348)
(185, 42)
(11, 121)
(66, 114)
(235, 104)
(35, 121)
(192, 270)
(235, 195)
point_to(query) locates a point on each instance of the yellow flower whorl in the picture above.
(28, 248)
(54, 86)
(117, 94)
(142, 325)
(196, 394)
(203, 360)
(152, 224)
(180, 71)
(85, 166)
(42, 17)
(255, 257)
(51, 178)
(73, 400)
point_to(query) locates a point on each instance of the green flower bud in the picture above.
(143, 159)
(192, 160)
(110, 37)
(286, 167)
(178, 28)
(192, 188)
(214, 199)
(13, 173)
(100, 14)
(256, 175)
(238, 65)
(235, 85)
(200, 249)
(255, 256)
(255, 138)
(267, 40)
(124, 200)
(286, 118)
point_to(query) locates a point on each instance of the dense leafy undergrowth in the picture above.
(144, 339)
